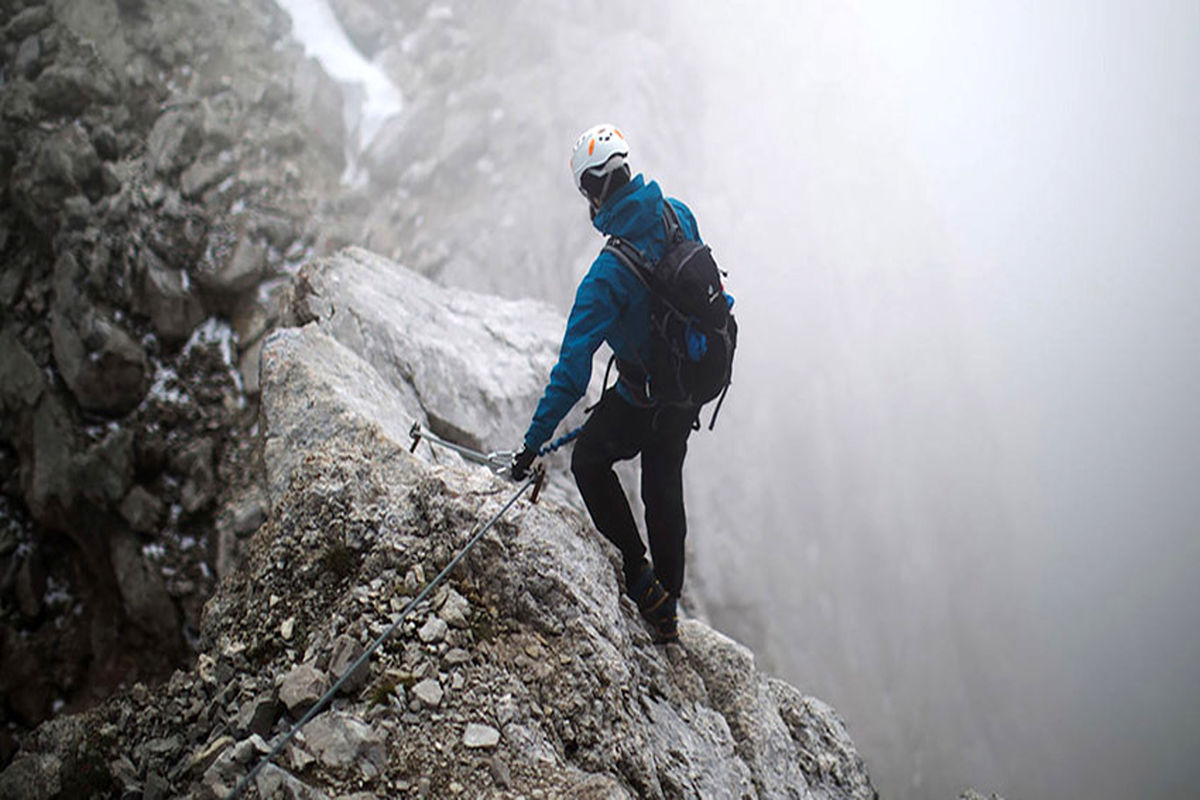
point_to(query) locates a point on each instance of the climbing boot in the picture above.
(655, 603)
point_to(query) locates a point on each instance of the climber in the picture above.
(612, 305)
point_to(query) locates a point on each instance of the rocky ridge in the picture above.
(527, 674)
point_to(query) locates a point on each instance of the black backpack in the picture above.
(692, 328)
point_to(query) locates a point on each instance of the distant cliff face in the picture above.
(525, 674)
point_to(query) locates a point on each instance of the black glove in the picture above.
(521, 463)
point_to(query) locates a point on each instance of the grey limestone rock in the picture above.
(301, 688)
(429, 692)
(433, 631)
(257, 715)
(478, 735)
(274, 782)
(346, 650)
(455, 609)
(339, 740)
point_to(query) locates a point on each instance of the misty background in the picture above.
(952, 490)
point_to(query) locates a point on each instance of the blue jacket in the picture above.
(611, 304)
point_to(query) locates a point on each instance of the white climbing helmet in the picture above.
(600, 149)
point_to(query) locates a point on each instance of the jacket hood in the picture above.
(632, 210)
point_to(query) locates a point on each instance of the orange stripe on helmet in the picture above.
(591, 146)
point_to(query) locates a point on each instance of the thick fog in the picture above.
(952, 491)
(964, 429)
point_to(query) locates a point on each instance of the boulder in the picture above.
(205, 173)
(477, 364)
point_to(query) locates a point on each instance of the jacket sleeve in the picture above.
(597, 304)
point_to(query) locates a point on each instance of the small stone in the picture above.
(433, 631)
(456, 656)
(141, 509)
(245, 750)
(454, 610)
(156, 787)
(500, 773)
(479, 736)
(256, 715)
(339, 740)
(288, 628)
(167, 746)
(458, 682)
(275, 782)
(533, 651)
(203, 758)
(429, 692)
(414, 579)
(302, 688)
(345, 652)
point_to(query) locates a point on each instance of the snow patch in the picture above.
(213, 331)
(316, 27)
(166, 387)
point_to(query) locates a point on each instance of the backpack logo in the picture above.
(693, 330)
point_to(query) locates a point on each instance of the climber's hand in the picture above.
(521, 462)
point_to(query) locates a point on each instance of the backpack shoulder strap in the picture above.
(631, 257)
(671, 224)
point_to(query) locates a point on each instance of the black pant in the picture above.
(617, 431)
